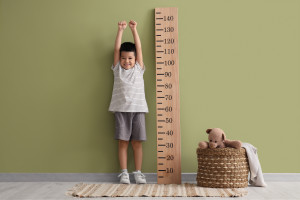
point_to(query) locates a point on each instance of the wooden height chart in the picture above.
(167, 96)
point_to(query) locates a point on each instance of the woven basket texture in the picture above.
(222, 168)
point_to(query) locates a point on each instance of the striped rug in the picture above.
(152, 190)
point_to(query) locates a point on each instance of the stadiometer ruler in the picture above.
(167, 96)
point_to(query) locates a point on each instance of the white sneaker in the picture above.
(139, 177)
(124, 178)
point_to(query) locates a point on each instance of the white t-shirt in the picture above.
(128, 92)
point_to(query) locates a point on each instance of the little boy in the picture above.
(128, 101)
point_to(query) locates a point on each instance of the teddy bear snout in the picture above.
(213, 145)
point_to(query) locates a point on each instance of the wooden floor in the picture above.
(56, 191)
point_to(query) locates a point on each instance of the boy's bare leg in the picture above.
(138, 154)
(123, 146)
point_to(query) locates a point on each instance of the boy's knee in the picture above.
(136, 143)
(123, 143)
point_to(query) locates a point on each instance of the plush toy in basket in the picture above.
(221, 163)
(217, 139)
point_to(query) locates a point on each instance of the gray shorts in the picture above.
(130, 126)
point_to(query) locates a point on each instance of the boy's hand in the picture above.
(122, 25)
(132, 24)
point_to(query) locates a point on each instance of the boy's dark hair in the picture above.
(128, 46)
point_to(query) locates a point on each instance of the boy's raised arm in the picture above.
(121, 27)
(137, 41)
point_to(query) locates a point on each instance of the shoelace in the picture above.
(139, 174)
(123, 173)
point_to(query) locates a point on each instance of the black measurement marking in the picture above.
(159, 40)
(158, 46)
(160, 97)
(160, 126)
(159, 51)
(159, 79)
(160, 74)
(158, 57)
(160, 62)
(162, 170)
(158, 68)
(158, 12)
(160, 177)
(160, 115)
(158, 24)
(161, 120)
(160, 163)
(160, 139)
(160, 29)
(159, 103)
(159, 91)
(160, 109)
(161, 145)
(158, 35)
(160, 85)
(160, 18)
(161, 132)
(160, 151)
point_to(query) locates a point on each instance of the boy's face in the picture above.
(127, 59)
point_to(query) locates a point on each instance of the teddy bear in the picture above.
(217, 139)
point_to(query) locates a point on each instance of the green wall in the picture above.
(239, 70)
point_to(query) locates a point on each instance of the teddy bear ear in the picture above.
(208, 130)
(223, 136)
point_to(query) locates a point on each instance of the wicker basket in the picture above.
(222, 168)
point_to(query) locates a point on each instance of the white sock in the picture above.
(124, 170)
